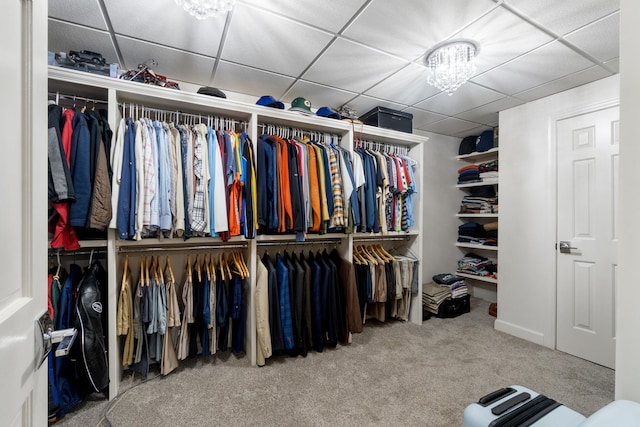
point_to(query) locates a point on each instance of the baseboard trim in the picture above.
(519, 331)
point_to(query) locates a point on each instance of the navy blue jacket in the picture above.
(80, 171)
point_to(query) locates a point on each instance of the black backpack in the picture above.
(90, 350)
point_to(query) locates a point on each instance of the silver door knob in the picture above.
(565, 247)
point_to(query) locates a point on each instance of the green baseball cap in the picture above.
(301, 104)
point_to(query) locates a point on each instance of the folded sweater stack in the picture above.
(479, 234)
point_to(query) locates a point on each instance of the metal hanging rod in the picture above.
(382, 239)
(138, 110)
(291, 132)
(180, 248)
(79, 252)
(306, 242)
(383, 146)
(60, 96)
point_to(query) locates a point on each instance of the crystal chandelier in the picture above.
(450, 65)
(203, 9)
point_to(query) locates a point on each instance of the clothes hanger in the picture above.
(221, 265)
(207, 268)
(154, 269)
(125, 274)
(235, 266)
(356, 257)
(242, 266)
(141, 279)
(213, 268)
(170, 270)
(189, 266)
(159, 270)
(384, 252)
(57, 276)
(226, 264)
(198, 269)
(366, 255)
(146, 272)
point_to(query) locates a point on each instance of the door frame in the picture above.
(552, 308)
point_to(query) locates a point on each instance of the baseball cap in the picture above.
(328, 112)
(270, 101)
(467, 145)
(301, 104)
(485, 141)
(211, 91)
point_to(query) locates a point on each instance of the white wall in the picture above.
(526, 288)
(441, 202)
(628, 292)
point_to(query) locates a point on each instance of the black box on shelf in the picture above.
(389, 119)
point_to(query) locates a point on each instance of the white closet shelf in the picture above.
(472, 215)
(478, 278)
(179, 242)
(87, 244)
(488, 181)
(476, 246)
(479, 156)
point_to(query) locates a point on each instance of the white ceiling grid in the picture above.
(366, 53)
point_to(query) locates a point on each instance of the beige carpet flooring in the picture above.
(392, 374)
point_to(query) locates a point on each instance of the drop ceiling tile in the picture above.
(250, 81)
(565, 83)
(468, 96)
(501, 37)
(318, 95)
(600, 39)
(471, 132)
(172, 63)
(547, 63)
(64, 37)
(562, 17)
(270, 42)
(422, 117)
(409, 85)
(488, 113)
(331, 15)
(363, 104)
(351, 66)
(449, 126)
(86, 12)
(169, 25)
(408, 28)
(614, 64)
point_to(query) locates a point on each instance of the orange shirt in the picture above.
(314, 190)
(285, 186)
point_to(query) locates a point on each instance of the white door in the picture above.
(587, 208)
(23, 204)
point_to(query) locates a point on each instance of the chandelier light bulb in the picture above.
(203, 9)
(451, 65)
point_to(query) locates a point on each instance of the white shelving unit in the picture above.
(483, 287)
(116, 92)
(477, 246)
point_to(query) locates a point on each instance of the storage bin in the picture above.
(389, 119)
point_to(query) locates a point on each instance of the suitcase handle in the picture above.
(494, 396)
(505, 406)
